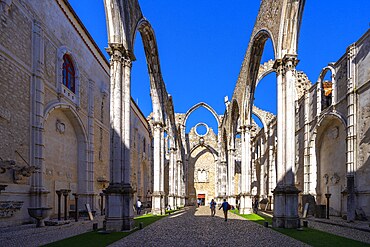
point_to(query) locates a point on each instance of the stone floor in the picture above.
(195, 227)
(191, 227)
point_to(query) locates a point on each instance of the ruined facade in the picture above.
(54, 135)
(68, 124)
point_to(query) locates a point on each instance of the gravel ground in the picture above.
(195, 227)
(361, 236)
(29, 235)
(192, 227)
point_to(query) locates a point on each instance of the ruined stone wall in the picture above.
(202, 165)
(363, 118)
(85, 118)
(141, 162)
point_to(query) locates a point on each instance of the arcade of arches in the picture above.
(92, 140)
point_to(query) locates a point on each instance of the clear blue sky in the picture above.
(202, 44)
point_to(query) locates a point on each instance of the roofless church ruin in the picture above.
(70, 130)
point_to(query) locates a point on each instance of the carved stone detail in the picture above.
(60, 127)
(303, 84)
(335, 178)
(8, 208)
(18, 171)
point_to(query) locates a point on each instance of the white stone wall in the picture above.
(76, 155)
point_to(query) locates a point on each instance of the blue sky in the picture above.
(202, 44)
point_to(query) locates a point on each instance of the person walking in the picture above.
(213, 207)
(225, 206)
(255, 205)
(138, 206)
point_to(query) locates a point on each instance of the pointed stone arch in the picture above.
(313, 178)
(84, 169)
(278, 20)
(197, 106)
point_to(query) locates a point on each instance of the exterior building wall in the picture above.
(75, 127)
(141, 153)
(202, 166)
(363, 117)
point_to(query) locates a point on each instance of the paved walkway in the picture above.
(192, 227)
(195, 227)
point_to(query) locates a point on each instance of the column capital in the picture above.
(158, 125)
(245, 128)
(290, 61)
(278, 67)
(118, 53)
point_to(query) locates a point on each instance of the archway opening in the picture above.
(202, 115)
(140, 81)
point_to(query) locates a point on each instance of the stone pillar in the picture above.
(272, 166)
(285, 193)
(306, 160)
(231, 173)
(172, 179)
(86, 189)
(162, 160)
(179, 191)
(272, 170)
(38, 191)
(157, 192)
(351, 132)
(224, 179)
(119, 203)
(245, 197)
(262, 162)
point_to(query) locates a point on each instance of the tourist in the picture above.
(138, 206)
(213, 207)
(198, 202)
(255, 205)
(225, 206)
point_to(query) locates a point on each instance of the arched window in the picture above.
(68, 73)
(326, 98)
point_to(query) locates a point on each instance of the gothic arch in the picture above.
(233, 127)
(278, 20)
(320, 81)
(209, 148)
(252, 72)
(84, 171)
(198, 105)
(157, 88)
(265, 69)
(64, 50)
(310, 180)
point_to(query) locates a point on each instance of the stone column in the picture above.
(245, 198)
(272, 170)
(86, 189)
(119, 192)
(263, 162)
(231, 172)
(157, 192)
(38, 191)
(171, 178)
(179, 191)
(351, 132)
(224, 179)
(272, 166)
(285, 193)
(162, 160)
